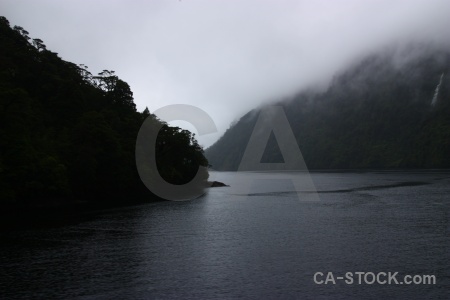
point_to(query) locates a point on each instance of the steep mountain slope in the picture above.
(391, 110)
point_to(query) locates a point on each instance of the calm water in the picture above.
(258, 239)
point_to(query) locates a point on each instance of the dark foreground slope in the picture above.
(69, 137)
(391, 110)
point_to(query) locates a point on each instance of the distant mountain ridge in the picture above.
(391, 110)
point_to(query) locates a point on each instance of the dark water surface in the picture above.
(258, 239)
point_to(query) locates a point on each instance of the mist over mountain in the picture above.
(225, 57)
(389, 110)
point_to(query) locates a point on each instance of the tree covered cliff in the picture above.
(69, 136)
(390, 110)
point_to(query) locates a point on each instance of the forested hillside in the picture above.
(391, 110)
(68, 136)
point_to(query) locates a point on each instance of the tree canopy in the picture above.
(68, 136)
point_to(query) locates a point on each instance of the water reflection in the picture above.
(231, 245)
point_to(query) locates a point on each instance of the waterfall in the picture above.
(436, 91)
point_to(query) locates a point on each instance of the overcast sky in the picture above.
(225, 57)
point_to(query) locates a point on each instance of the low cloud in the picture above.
(226, 57)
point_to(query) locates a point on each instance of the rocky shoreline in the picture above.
(216, 184)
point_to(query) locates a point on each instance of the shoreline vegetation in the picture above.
(68, 136)
(49, 214)
(57, 213)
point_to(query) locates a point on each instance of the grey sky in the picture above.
(226, 57)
